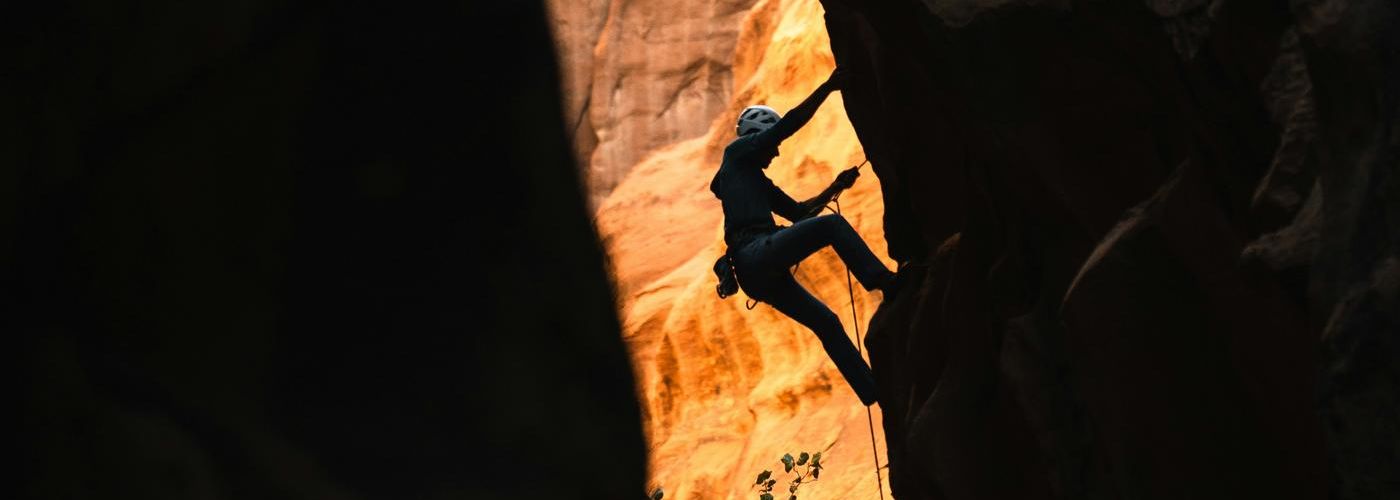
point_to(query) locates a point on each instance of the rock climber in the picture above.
(761, 251)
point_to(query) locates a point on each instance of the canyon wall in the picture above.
(726, 391)
(641, 75)
(302, 250)
(1152, 245)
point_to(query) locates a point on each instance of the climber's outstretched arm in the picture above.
(799, 115)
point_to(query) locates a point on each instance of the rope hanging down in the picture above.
(855, 321)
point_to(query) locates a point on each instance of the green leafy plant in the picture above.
(805, 468)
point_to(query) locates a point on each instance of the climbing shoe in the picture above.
(892, 285)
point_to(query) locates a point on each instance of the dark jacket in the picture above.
(748, 196)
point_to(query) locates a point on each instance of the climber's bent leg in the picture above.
(788, 297)
(790, 245)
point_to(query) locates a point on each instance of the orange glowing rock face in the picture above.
(726, 391)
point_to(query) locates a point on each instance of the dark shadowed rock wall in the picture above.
(1155, 246)
(303, 250)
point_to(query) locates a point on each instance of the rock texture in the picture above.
(302, 250)
(641, 75)
(726, 390)
(1153, 245)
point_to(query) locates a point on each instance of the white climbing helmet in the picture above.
(756, 118)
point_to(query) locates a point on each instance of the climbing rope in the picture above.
(855, 321)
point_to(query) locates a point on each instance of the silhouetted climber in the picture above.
(760, 251)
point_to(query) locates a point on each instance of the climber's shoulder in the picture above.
(740, 145)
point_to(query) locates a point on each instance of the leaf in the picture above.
(793, 488)
(816, 473)
(656, 495)
(787, 462)
(766, 496)
(816, 459)
(763, 476)
(802, 459)
(772, 482)
(794, 497)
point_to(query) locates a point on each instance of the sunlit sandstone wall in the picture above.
(639, 75)
(727, 391)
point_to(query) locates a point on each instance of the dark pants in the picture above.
(762, 267)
